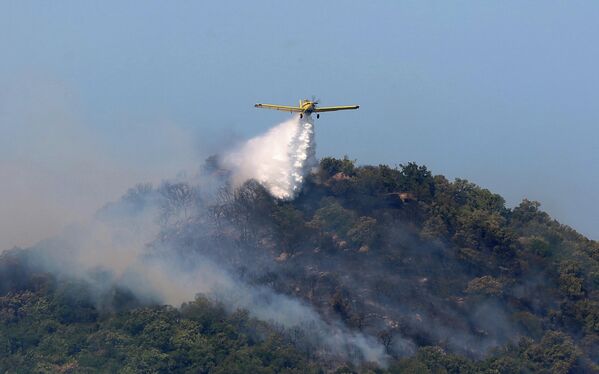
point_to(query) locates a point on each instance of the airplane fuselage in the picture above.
(307, 106)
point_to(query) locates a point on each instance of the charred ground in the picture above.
(442, 274)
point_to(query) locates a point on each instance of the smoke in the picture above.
(175, 283)
(57, 168)
(136, 244)
(161, 243)
(279, 159)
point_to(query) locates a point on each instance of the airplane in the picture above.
(306, 107)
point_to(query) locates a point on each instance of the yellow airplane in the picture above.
(306, 107)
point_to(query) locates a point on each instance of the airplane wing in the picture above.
(282, 108)
(334, 108)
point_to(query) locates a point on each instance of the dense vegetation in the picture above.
(50, 327)
(443, 274)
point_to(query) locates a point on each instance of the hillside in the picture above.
(420, 273)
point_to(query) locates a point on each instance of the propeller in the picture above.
(315, 100)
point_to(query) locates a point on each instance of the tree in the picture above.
(486, 285)
(330, 166)
(363, 232)
(178, 202)
(289, 226)
(418, 180)
(332, 217)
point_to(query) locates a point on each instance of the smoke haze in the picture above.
(61, 175)
(166, 245)
(134, 244)
(57, 170)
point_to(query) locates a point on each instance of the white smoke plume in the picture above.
(170, 283)
(278, 159)
(122, 243)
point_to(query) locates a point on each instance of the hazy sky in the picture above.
(95, 96)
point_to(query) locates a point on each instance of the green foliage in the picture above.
(570, 279)
(537, 245)
(199, 337)
(331, 166)
(290, 226)
(556, 353)
(486, 285)
(363, 232)
(333, 217)
(394, 252)
(417, 179)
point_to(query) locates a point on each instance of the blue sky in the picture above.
(504, 94)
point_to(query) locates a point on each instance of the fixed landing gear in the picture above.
(317, 115)
(301, 115)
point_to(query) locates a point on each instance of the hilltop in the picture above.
(434, 275)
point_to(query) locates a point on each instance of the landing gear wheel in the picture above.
(301, 116)
(318, 116)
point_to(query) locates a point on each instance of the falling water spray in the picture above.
(280, 159)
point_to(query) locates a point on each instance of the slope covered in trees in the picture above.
(440, 273)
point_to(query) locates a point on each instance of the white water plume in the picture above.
(278, 159)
